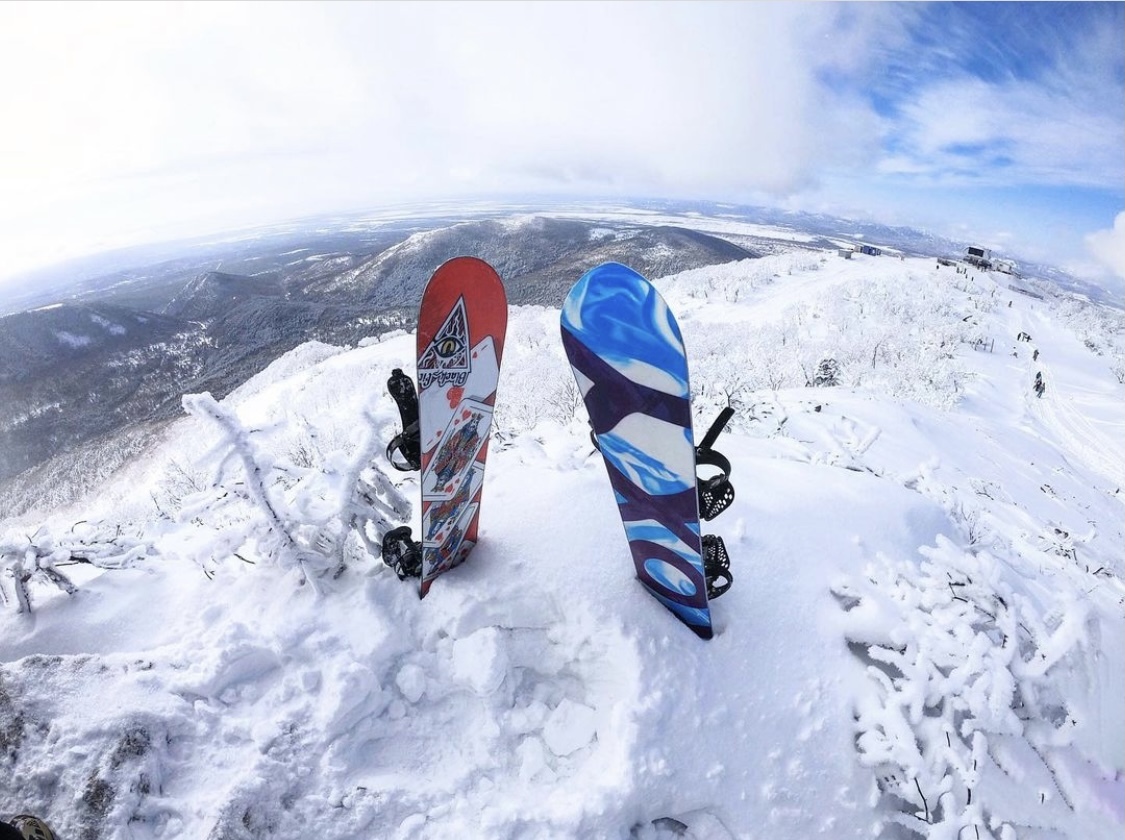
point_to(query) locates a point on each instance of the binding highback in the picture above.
(715, 492)
(408, 443)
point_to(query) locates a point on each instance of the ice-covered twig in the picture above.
(24, 560)
(372, 497)
(958, 660)
(257, 469)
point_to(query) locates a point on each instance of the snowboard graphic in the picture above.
(628, 359)
(461, 328)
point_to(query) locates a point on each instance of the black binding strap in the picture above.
(716, 566)
(716, 492)
(716, 428)
(408, 443)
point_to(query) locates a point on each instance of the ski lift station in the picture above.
(978, 256)
(982, 258)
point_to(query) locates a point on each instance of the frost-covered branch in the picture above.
(372, 499)
(306, 506)
(258, 469)
(959, 663)
(36, 559)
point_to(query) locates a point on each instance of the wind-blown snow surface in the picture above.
(925, 635)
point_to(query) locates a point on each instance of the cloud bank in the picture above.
(1108, 247)
(153, 120)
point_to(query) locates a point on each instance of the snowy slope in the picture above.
(924, 637)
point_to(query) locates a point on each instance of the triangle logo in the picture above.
(446, 360)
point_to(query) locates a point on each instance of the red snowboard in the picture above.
(461, 328)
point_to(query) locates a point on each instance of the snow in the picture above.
(109, 326)
(72, 340)
(924, 637)
(716, 225)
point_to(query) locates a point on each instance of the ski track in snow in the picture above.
(1071, 397)
(911, 648)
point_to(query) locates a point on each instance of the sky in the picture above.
(1000, 124)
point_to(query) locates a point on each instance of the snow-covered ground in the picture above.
(925, 635)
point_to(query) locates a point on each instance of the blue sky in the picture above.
(997, 123)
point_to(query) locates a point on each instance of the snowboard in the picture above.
(627, 355)
(461, 328)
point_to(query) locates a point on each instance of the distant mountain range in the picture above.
(98, 353)
(119, 351)
(278, 248)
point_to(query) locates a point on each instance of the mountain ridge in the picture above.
(212, 330)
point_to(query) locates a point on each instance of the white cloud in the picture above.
(117, 90)
(674, 93)
(156, 120)
(1108, 247)
(142, 120)
(957, 129)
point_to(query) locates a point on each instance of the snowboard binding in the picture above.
(26, 827)
(716, 566)
(715, 495)
(401, 553)
(407, 443)
(716, 492)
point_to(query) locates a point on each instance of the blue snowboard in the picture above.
(628, 359)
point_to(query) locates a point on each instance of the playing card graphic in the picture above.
(457, 450)
(442, 558)
(478, 385)
(445, 515)
(445, 542)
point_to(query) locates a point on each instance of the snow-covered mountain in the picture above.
(537, 255)
(924, 637)
(68, 393)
